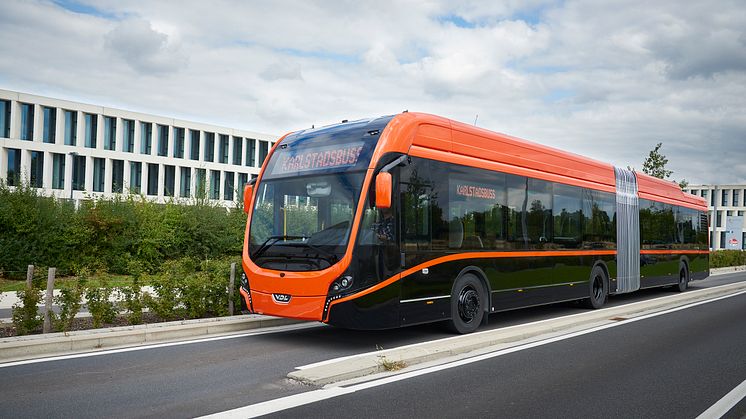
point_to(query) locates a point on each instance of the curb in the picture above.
(34, 346)
(354, 367)
(727, 270)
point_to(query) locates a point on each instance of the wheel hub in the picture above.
(468, 304)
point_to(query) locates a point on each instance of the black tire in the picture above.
(468, 303)
(683, 283)
(598, 289)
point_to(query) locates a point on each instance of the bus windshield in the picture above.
(306, 199)
(303, 223)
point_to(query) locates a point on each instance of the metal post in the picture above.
(29, 276)
(231, 285)
(48, 301)
(715, 219)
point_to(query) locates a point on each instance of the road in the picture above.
(698, 358)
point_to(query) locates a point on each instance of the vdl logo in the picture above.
(281, 298)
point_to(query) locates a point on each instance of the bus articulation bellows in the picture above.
(414, 218)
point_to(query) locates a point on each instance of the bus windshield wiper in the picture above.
(330, 257)
(271, 240)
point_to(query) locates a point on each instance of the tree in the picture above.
(655, 165)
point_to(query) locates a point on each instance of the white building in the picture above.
(79, 151)
(724, 201)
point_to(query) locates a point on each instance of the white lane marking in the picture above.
(538, 322)
(331, 391)
(722, 406)
(277, 329)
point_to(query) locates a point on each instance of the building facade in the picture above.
(79, 151)
(723, 201)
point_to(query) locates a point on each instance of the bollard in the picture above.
(29, 276)
(231, 285)
(48, 301)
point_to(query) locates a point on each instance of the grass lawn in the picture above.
(60, 282)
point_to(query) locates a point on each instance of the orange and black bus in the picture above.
(414, 218)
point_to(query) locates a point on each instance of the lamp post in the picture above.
(73, 154)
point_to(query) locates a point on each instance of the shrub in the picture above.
(133, 302)
(26, 317)
(99, 305)
(724, 258)
(69, 301)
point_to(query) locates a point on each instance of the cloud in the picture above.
(604, 79)
(144, 49)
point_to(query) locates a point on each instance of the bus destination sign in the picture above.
(319, 158)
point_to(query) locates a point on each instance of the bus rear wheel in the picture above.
(467, 304)
(598, 289)
(683, 280)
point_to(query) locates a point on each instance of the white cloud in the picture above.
(604, 79)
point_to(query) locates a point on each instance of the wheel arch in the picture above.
(479, 273)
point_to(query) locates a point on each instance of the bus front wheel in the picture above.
(598, 289)
(467, 304)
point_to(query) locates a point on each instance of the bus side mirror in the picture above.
(247, 192)
(383, 190)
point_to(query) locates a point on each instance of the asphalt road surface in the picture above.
(680, 362)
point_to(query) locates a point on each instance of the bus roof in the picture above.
(436, 137)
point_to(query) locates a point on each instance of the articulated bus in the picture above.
(414, 218)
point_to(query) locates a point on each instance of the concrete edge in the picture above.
(411, 355)
(18, 348)
(727, 270)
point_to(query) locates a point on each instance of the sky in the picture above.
(608, 80)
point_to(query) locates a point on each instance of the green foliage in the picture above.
(102, 309)
(111, 235)
(26, 317)
(655, 164)
(724, 258)
(69, 301)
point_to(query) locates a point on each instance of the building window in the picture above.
(712, 197)
(223, 148)
(135, 177)
(91, 130)
(214, 184)
(78, 173)
(693, 192)
(237, 150)
(58, 171)
(243, 179)
(724, 200)
(5, 118)
(743, 240)
(110, 133)
(14, 167)
(185, 182)
(169, 178)
(718, 219)
(728, 213)
(228, 186)
(263, 150)
(37, 169)
(152, 179)
(146, 138)
(250, 152)
(722, 240)
(194, 144)
(71, 128)
(199, 182)
(179, 142)
(703, 194)
(162, 140)
(736, 197)
(128, 135)
(117, 176)
(99, 175)
(27, 121)
(209, 146)
(50, 124)
(740, 213)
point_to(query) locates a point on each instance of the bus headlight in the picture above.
(341, 284)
